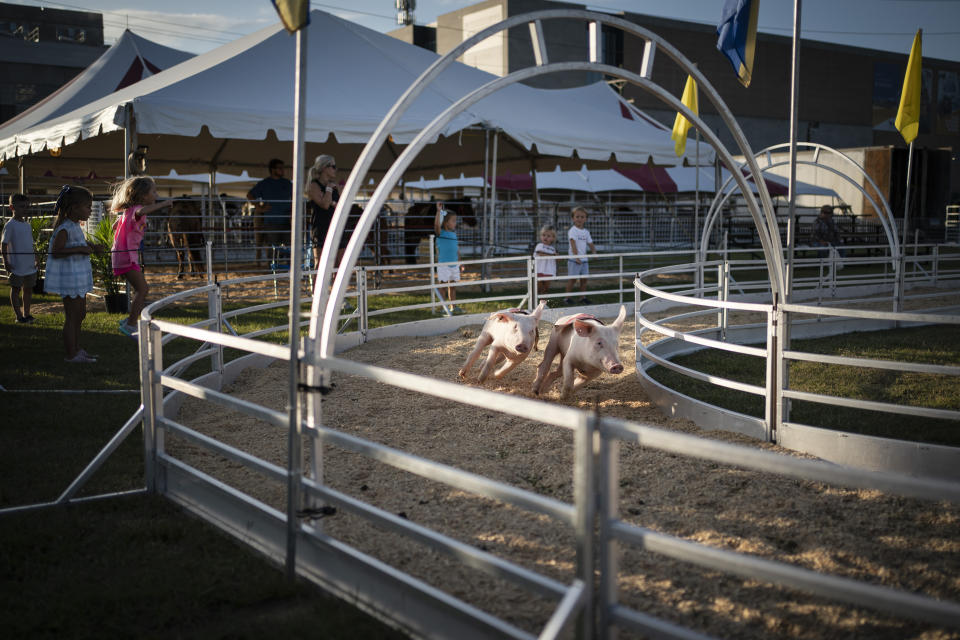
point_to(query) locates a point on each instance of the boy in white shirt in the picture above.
(19, 257)
(580, 241)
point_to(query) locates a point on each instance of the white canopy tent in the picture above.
(232, 108)
(607, 180)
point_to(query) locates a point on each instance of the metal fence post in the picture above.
(774, 391)
(532, 292)
(584, 495)
(151, 365)
(620, 278)
(433, 273)
(362, 301)
(935, 268)
(608, 485)
(215, 310)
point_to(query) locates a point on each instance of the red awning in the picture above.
(513, 182)
(653, 179)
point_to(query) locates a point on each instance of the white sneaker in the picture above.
(80, 357)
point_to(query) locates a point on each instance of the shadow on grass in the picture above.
(123, 567)
(139, 567)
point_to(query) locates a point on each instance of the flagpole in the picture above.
(901, 276)
(794, 114)
(908, 123)
(295, 434)
(696, 202)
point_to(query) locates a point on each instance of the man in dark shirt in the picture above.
(272, 195)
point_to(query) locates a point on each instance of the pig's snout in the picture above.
(522, 348)
(617, 368)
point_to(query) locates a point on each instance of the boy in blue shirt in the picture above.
(448, 254)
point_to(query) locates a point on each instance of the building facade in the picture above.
(41, 50)
(848, 95)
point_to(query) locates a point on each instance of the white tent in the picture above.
(233, 108)
(681, 180)
(130, 59)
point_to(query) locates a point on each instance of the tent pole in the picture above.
(295, 432)
(127, 141)
(21, 175)
(536, 193)
(493, 194)
(486, 192)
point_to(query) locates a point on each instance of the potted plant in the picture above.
(115, 300)
(40, 225)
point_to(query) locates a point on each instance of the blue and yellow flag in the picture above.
(737, 35)
(681, 125)
(295, 14)
(908, 115)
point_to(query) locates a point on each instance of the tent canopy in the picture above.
(232, 108)
(642, 179)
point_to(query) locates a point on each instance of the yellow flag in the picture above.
(681, 125)
(295, 14)
(908, 115)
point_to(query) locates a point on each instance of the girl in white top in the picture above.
(68, 266)
(546, 267)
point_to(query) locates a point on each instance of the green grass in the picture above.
(932, 345)
(126, 567)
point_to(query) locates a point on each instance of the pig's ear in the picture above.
(539, 310)
(582, 328)
(502, 317)
(618, 323)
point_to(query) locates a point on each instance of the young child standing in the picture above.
(546, 268)
(580, 240)
(19, 257)
(68, 266)
(133, 200)
(448, 253)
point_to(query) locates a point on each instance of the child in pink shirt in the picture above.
(133, 199)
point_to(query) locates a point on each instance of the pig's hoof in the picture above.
(462, 374)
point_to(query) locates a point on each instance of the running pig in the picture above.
(587, 348)
(511, 335)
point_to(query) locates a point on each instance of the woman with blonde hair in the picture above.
(322, 196)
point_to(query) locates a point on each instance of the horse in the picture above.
(185, 229)
(418, 223)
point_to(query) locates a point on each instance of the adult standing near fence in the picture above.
(272, 198)
(322, 196)
(825, 232)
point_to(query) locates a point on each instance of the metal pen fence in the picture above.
(175, 243)
(595, 473)
(587, 599)
(821, 306)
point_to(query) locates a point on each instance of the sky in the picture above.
(877, 24)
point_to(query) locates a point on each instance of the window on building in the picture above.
(25, 95)
(20, 30)
(611, 46)
(71, 34)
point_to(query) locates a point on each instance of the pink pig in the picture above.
(511, 336)
(587, 348)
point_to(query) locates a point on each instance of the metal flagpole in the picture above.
(794, 111)
(696, 192)
(901, 276)
(782, 373)
(295, 441)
